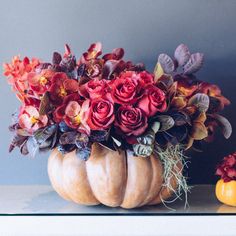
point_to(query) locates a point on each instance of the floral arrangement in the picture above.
(69, 104)
(227, 168)
(225, 189)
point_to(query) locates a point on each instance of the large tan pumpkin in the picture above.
(108, 177)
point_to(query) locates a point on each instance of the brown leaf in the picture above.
(165, 82)
(44, 107)
(179, 102)
(201, 118)
(190, 143)
(198, 131)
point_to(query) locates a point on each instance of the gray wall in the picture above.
(144, 29)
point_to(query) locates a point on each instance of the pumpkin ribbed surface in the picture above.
(108, 177)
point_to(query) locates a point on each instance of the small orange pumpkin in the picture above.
(109, 177)
(226, 192)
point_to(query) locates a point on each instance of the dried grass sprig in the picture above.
(174, 161)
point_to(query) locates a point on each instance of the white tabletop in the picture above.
(22, 207)
(41, 199)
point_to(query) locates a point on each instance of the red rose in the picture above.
(93, 89)
(101, 114)
(131, 121)
(127, 88)
(153, 101)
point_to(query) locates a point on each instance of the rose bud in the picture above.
(100, 114)
(94, 89)
(146, 77)
(153, 101)
(131, 121)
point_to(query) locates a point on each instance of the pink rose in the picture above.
(153, 101)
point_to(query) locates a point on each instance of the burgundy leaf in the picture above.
(109, 67)
(56, 58)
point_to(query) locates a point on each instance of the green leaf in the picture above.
(158, 72)
(156, 126)
(147, 139)
(142, 150)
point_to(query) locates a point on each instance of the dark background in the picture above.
(144, 29)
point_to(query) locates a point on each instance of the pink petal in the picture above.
(43, 120)
(24, 122)
(33, 79)
(72, 109)
(32, 111)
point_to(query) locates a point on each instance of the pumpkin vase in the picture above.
(109, 177)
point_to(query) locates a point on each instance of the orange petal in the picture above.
(179, 102)
(199, 131)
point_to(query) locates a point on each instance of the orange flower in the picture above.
(40, 83)
(17, 72)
